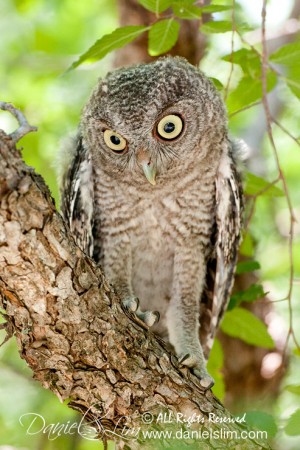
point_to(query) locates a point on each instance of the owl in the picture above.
(150, 189)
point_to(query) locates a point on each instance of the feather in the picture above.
(226, 239)
(77, 198)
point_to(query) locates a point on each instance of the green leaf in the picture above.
(184, 10)
(247, 266)
(292, 427)
(258, 186)
(163, 36)
(244, 27)
(296, 351)
(214, 366)
(293, 388)
(292, 79)
(288, 55)
(156, 6)
(217, 83)
(249, 295)
(247, 245)
(240, 56)
(117, 39)
(220, 26)
(249, 91)
(244, 325)
(215, 8)
(294, 85)
(262, 421)
(247, 59)
(187, 10)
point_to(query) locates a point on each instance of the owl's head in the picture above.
(148, 118)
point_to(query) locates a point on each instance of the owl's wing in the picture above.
(77, 196)
(226, 239)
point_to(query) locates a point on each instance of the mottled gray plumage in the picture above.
(173, 244)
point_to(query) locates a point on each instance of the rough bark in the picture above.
(71, 329)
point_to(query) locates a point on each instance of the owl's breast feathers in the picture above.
(202, 205)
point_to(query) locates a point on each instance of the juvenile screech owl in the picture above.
(150, 190)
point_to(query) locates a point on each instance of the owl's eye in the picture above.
(114, 141)
(169, 127)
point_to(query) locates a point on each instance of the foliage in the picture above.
(287, 56)
(262, 421)
(292, 426)
(245, 325)
(255, 185)
(163, 36)
(164, 33)
(110, 42)
(214, 366)
(252, 293)
(39, 41)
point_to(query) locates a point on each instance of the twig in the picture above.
(263, 300)
(250, 214)
(24, 127)
(287, 28)
(244, 108)
(254, 49)
(286, 131)
(232, 50)
(254, 197)
(264, 60)
(245, 42)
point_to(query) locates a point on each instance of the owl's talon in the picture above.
(131, 304)
(150, 318)
(157, 314)
(206, 381)
(182, 359)
(192, 361)
(188, 360)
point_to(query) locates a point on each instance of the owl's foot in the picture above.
(150, 318)
(199, 370)
(206, 380)
(132, 304)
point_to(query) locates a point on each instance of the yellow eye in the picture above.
(114, 141)
(170, 127)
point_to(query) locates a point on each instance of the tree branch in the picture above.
(24, 127)
(71, 329)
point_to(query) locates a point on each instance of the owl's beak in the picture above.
(147, 166)
(149, 171)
